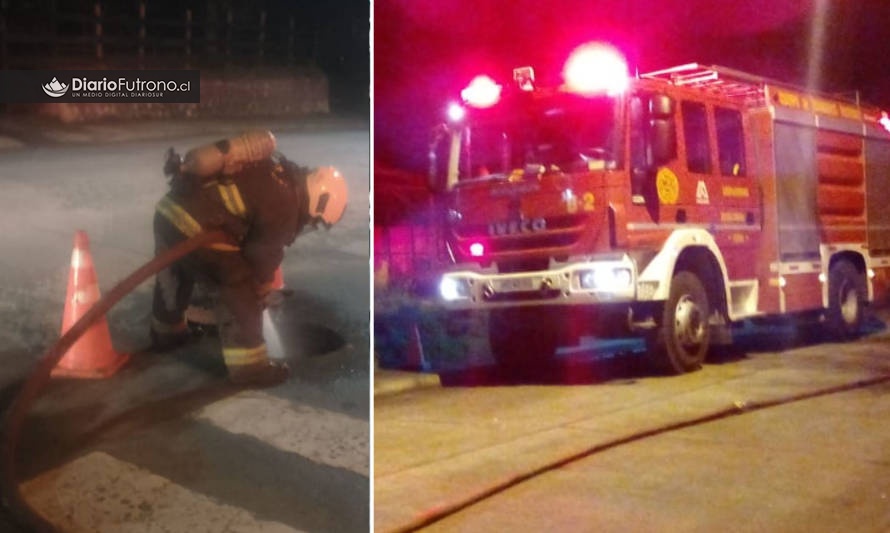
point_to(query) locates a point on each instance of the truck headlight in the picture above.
(453, 289)
(605, 278)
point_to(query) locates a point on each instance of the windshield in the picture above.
(568, 134)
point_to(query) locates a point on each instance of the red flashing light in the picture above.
(477, 249)
(456, 112)
(596, 68)
(481, 92)
(885, 120)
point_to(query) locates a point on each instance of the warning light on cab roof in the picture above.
(596, 68)
(456, 112)
(885, 120)
(481, 92)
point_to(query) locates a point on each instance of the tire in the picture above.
(523, 341)
(681, 341)
(847, 292)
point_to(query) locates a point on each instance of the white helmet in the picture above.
(327, 194)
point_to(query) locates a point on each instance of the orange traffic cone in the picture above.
(92, 355)
(415, 359)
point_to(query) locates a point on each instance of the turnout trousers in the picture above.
(239, 309)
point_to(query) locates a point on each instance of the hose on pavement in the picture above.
(36, 381)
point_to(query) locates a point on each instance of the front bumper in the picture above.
(583, 281)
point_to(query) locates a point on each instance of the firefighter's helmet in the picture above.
(327, 195)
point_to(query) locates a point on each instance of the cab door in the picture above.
(719, 193)
(737, 211)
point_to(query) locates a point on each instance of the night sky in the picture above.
(425, 51)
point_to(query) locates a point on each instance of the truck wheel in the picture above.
(847, 292)
(523, 341)
(681, 341)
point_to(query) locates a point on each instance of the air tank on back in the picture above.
(228, 156)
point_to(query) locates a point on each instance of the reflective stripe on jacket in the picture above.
(187, 225)
(231, 198)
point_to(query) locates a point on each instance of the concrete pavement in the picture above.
(479, 441)
(168, 443)
(815, 466)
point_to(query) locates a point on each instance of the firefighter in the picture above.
(262, 201)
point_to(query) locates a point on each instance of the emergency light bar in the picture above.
(456, 112)
(481, 92)
(596, 68)
(885, 120)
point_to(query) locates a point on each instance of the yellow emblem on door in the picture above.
(668, 186)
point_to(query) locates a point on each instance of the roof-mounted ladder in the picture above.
(756, 90)
(717, 80)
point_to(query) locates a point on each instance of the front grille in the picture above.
(531, 242)
(556, 223)
(562, 232)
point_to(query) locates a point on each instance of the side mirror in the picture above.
(661, 106)
(664, 140)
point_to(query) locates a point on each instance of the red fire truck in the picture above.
(670, 204)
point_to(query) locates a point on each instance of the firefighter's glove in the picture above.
(274, 299)
(269, 295)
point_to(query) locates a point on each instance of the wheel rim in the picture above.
(849, 303)
(689, 328)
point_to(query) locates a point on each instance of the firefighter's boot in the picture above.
(166, 337)
(261, 374)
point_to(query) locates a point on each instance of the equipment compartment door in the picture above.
(737, 200)
(796, 178)
(797, 208)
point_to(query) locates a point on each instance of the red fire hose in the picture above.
(32, 387)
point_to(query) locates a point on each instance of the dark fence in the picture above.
(156, 34)
(256, 57)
